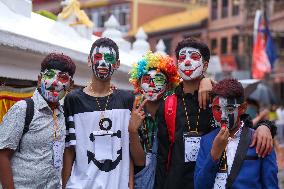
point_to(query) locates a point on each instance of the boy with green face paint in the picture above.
(31, 154)
(97, 141)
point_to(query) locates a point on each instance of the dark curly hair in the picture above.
(194, 43)
(229, 88)
(60, 62)
(105, 42)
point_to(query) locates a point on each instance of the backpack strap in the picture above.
(28, 118)
(170, 118)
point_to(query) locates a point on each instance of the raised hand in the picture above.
(137, 116)
(219, 144)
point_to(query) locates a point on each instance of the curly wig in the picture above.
(229, 88)
(60, 62)
(150, 61)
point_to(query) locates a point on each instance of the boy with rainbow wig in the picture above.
(151, 76)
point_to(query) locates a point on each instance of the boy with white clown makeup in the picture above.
(179, 137)
(225, 159)
(32, 134)
(97, 116)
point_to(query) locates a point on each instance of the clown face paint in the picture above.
(226, 112)
(54, 84)
(190, 63)
(103, 60)
(153, 85)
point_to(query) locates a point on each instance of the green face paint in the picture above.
(49, 74)
(109, 58)
(159, 79)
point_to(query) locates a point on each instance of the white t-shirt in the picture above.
(101, 141)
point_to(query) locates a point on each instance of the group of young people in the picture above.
(169, 135)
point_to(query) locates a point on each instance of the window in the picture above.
(99, 16)
(224, 45)
(101, 20)
(224, 8)
(236, 7)
(278, 5)
(168, 44)
(235, 43)
(121, 13)
(213, 44)
(281, 43)
(214, 9)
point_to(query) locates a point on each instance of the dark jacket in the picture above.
(180, 174)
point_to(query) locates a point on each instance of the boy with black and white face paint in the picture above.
(192, 122)
(97, 141)
(225, 159)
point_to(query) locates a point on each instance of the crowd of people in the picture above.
(178, 129)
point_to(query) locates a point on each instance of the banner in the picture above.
(264, 52)
(9, 96)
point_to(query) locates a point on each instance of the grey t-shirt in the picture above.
(33, 167)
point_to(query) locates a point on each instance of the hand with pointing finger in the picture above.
(137, 117)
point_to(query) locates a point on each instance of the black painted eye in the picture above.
(230, 109)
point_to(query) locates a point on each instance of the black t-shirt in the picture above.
(180, 174)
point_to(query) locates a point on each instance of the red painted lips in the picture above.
(189, 72)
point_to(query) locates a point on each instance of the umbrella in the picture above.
(249, 86)
(264, 95)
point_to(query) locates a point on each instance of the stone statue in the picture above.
(76, 18)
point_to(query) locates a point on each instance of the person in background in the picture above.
(32, 134)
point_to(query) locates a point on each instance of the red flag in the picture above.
(260, 61)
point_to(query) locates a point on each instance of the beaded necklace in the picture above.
(187, 118)
(97, 101)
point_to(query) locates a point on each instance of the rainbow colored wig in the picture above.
(161, 63)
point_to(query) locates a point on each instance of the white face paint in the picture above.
(190, 63)
(153, 85)
(54, 84)
(103, 59)
(226, 112)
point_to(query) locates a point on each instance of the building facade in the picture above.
(230, 33)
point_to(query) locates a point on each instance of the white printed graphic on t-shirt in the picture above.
(102, 150)
(220, 181)
(191, 148)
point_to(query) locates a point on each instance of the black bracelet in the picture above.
(268, 124)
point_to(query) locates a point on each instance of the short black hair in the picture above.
(194, 43)
(229, 88)
(58, 61)
(105, 42)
